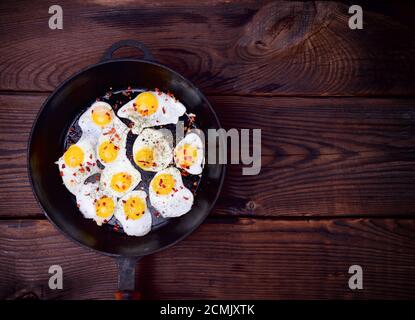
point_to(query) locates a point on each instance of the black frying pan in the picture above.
(46, 145)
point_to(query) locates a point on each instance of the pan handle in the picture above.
(127, 43)
(126, 279)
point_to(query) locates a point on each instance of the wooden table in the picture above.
(337, 111)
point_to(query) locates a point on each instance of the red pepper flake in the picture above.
(157, 214)
(110, 132)
(90, 156)
(185, 198)
(74, 174)
(96, 177)
(87, 169)
(78, 205)
(61, 173)
(184, 173)
(164, 110)
(123, 201)
(116, 148)
(63, 166)
(89, 163)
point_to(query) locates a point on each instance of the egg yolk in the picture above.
(101, 116)
(163, 184)
(104, 207)
(134, 208)
(108, 151)
(146, 104)
(144, 158)
(186, 155)
(74, 156)
(121, 181)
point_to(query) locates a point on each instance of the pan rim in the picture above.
(29, 148)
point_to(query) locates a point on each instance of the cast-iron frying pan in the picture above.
(46, 145)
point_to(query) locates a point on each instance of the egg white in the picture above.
(89, 127)
(161, 145)
(121, 165)
(138, 227)
(117, 134)
(169, 110)
(174, 204)
(194, 140)
(85, 199)
(73, 178)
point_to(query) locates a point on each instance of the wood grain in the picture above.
(321, 157)
(224, 259)
(237, 47)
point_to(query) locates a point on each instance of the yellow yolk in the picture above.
(134, 208)
(74, 156)
(146, 104)
(108, 151)
(104, 207)
(144, 158)
(121, 181)
(163, 184)
(186, 155)
(101, 116)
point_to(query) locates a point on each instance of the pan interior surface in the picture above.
(48, 141)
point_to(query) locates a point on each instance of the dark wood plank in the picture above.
(237, 47)
(337, 156)
(224, 259)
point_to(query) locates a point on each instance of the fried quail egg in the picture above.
(152, 150)
(152, 108)
(189, 154)
(95, 204)
(168, 195)
(133, 214)
(111, 144)
(119, 178)
(77, 164)
(98, 117)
